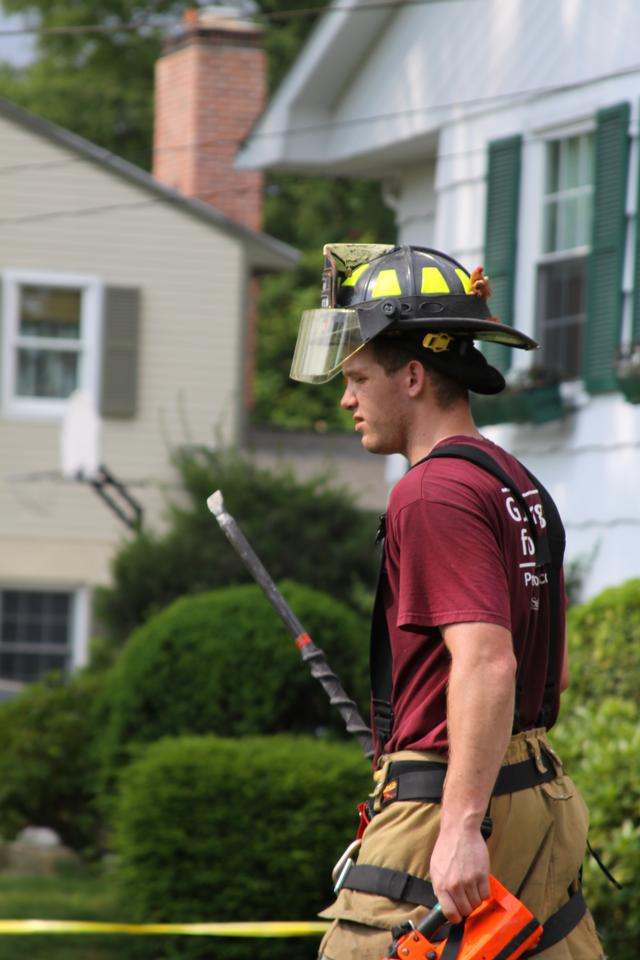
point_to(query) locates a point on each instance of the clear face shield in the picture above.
(330, 335)
(326, 338)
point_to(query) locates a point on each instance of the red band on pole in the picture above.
(302, 640)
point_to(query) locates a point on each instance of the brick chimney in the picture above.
(209, 90)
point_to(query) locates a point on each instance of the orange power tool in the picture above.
(500, 928)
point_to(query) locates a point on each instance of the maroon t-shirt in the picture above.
(458, 549)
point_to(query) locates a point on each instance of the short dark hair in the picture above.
(394, 353)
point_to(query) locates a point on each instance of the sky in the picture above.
(15, 50)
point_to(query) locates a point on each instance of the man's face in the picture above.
(377, 402)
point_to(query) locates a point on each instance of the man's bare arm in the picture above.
(480, 704)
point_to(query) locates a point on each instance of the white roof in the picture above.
(373, 87)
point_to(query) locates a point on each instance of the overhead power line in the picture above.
(352, 121)
(160, 22)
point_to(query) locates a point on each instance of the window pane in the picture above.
(59, 604)
(568, 194)
(561, 315)
(10, 602)
(550, 228)
(568, 231)
(45, 373)
(29, 619)
(32, 632)
(50, 312)
(33, 603)
(553, 162)
(571, 176)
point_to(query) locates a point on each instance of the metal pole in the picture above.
(312, 655)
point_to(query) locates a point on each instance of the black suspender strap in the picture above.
(394, 884)
(454, 942)
(561, 923)
(380, 665)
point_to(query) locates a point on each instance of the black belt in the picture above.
(424, 779)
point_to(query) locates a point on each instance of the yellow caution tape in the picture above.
(286, 928)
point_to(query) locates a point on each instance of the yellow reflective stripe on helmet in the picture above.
(464, 279)
(387, 284)
(433, 281)
(353, 278)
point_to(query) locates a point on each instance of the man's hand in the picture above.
(460, 871)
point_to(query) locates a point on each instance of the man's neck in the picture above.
(432, 430)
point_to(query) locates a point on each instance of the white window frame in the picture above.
(80, 617)
(92, 287)
(578, 250)
(543, 138)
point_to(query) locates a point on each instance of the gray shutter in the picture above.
(1, 338)
(120, 347)
(604, 272)
(501, 236)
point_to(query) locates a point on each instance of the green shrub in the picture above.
(598, 738)
(600, 746)
(47, 762)
(218, 830)
(224, 663)
(304, 531)
(604, 645)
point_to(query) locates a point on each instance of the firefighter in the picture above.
(468, 652)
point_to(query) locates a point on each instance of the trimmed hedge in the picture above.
(48, 768)
(598, 737)
(220, 830)
(223, 663)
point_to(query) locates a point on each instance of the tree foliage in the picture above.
(307, 531)
(100, 84)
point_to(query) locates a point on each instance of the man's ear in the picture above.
(416, 378)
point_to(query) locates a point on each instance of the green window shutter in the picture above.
(604, 274)
(120, 347)
(501, 236)
(635, 327)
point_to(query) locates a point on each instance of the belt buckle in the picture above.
(343, 866)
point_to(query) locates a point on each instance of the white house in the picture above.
(116, 283)
(505, 133)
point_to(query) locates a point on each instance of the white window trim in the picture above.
(80, 618)
(92, 287)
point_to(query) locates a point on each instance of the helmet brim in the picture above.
(491, 331)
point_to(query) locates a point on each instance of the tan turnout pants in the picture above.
(536, 849)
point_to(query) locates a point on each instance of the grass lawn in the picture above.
(77, 893)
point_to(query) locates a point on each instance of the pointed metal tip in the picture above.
(216, 503)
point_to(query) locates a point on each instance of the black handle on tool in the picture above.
(432, 922)
(310, 653)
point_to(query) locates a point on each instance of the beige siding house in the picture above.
(123, 287)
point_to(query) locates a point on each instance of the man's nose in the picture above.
(347, 400)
